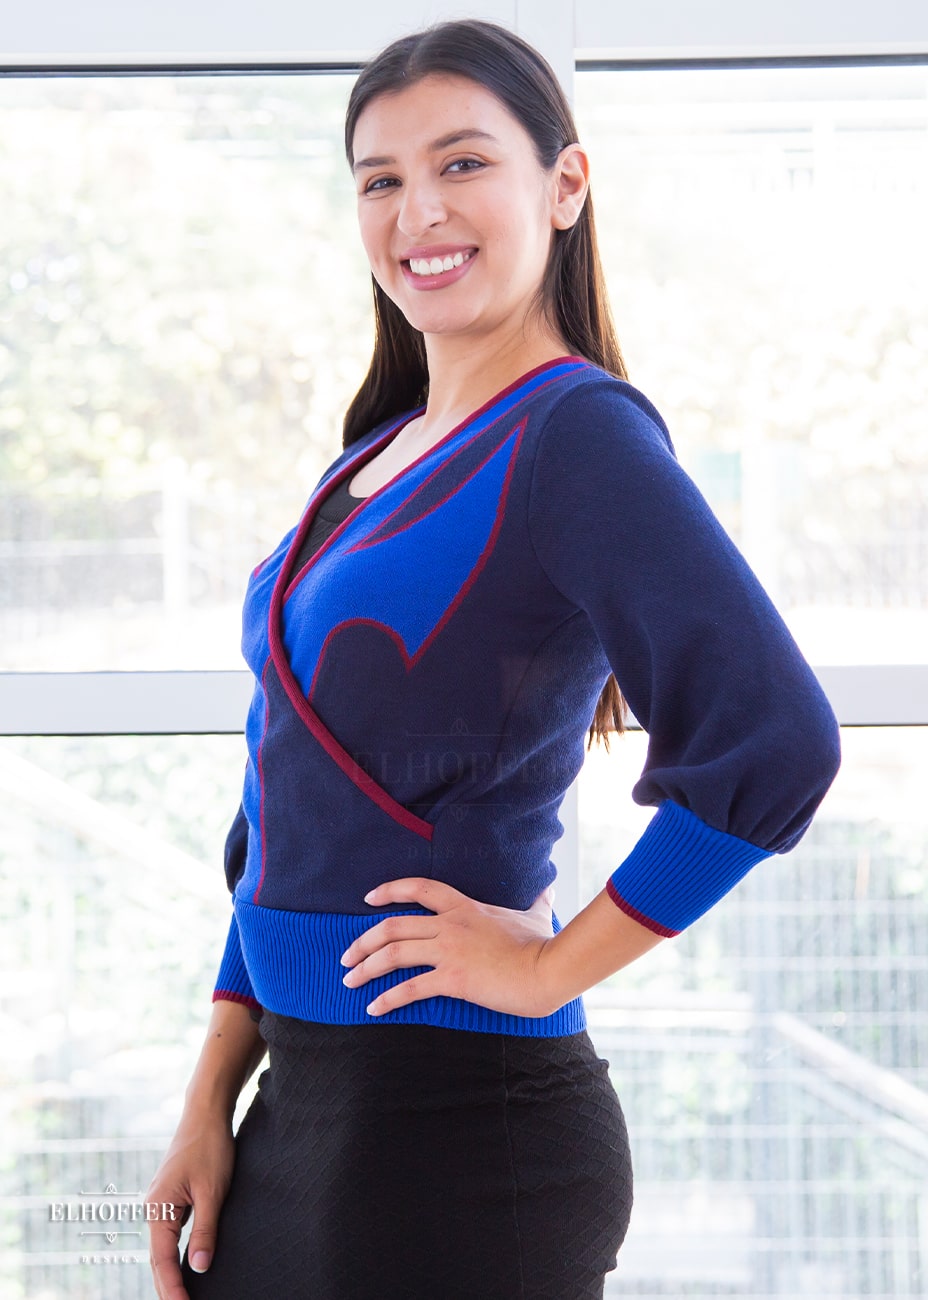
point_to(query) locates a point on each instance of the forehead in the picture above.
(411, 118)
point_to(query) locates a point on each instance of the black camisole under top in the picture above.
(337, 506)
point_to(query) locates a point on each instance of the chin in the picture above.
(436, 323)
(426, 314)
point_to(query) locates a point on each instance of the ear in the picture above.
(572, 183)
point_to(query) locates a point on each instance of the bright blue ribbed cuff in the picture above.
(678, 869)
(233, 983)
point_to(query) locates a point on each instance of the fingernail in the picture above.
(368, 896)
(343, 959)
(199, 1262)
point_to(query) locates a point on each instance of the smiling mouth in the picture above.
(424, 266)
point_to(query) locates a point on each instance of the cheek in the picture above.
(524, 228)
(524, 245)
(370, 228)
(375, 241)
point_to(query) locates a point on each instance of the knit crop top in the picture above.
(426, 671)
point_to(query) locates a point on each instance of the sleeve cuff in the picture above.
(233, 983)
(678, 870)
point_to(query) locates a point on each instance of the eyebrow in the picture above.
(443, 142)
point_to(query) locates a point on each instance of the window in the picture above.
(183, 315)
(761, 229)
(184, 311)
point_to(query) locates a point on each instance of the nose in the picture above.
(421, 208)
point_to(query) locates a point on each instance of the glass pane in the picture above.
(772, 1060)
(184, 315)
(113, 915)
(763, 231)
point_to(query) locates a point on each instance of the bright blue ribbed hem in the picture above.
(294, 960)
(232, 982)
(679, 868)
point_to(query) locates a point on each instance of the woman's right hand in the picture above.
(195, 1174)
(193, 1177)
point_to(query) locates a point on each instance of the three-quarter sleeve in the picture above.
(742, 743)
(233, 983)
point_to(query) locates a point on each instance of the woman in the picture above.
(505, 540)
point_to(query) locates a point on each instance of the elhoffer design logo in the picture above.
(109, 1216)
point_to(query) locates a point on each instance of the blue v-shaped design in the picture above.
(454, 532)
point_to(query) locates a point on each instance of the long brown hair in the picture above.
(572, 293)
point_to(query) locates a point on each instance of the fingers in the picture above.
(387, 932)
(428, 985)
(193, 1177)
(398, 955)
(433, 894)
(164, 1236)
(202, 1240)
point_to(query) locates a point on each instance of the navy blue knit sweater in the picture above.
(425, 681)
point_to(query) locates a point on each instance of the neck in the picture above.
(466, 373)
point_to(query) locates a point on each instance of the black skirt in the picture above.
(412, 1162)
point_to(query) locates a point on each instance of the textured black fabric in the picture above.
(337, 506)
(413, 1162)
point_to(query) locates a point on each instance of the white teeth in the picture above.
(435, 265)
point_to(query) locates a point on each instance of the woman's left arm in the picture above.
(742, 747)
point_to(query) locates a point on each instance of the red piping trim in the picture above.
(487, 550)
(326, 489)
(365, 783)
(267, 718)
(479, 563)
(377, 535)
(654, 926)
(361, 622)
(227, 995)
(282, 586)
(357, 462)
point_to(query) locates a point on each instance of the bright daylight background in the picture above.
(183, 316)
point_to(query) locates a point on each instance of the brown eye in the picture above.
(467, 164)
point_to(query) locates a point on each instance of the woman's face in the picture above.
(456, 215)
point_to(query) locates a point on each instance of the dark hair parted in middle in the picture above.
(572, 294)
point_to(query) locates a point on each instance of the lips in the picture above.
(461, 260)
(435, 265)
